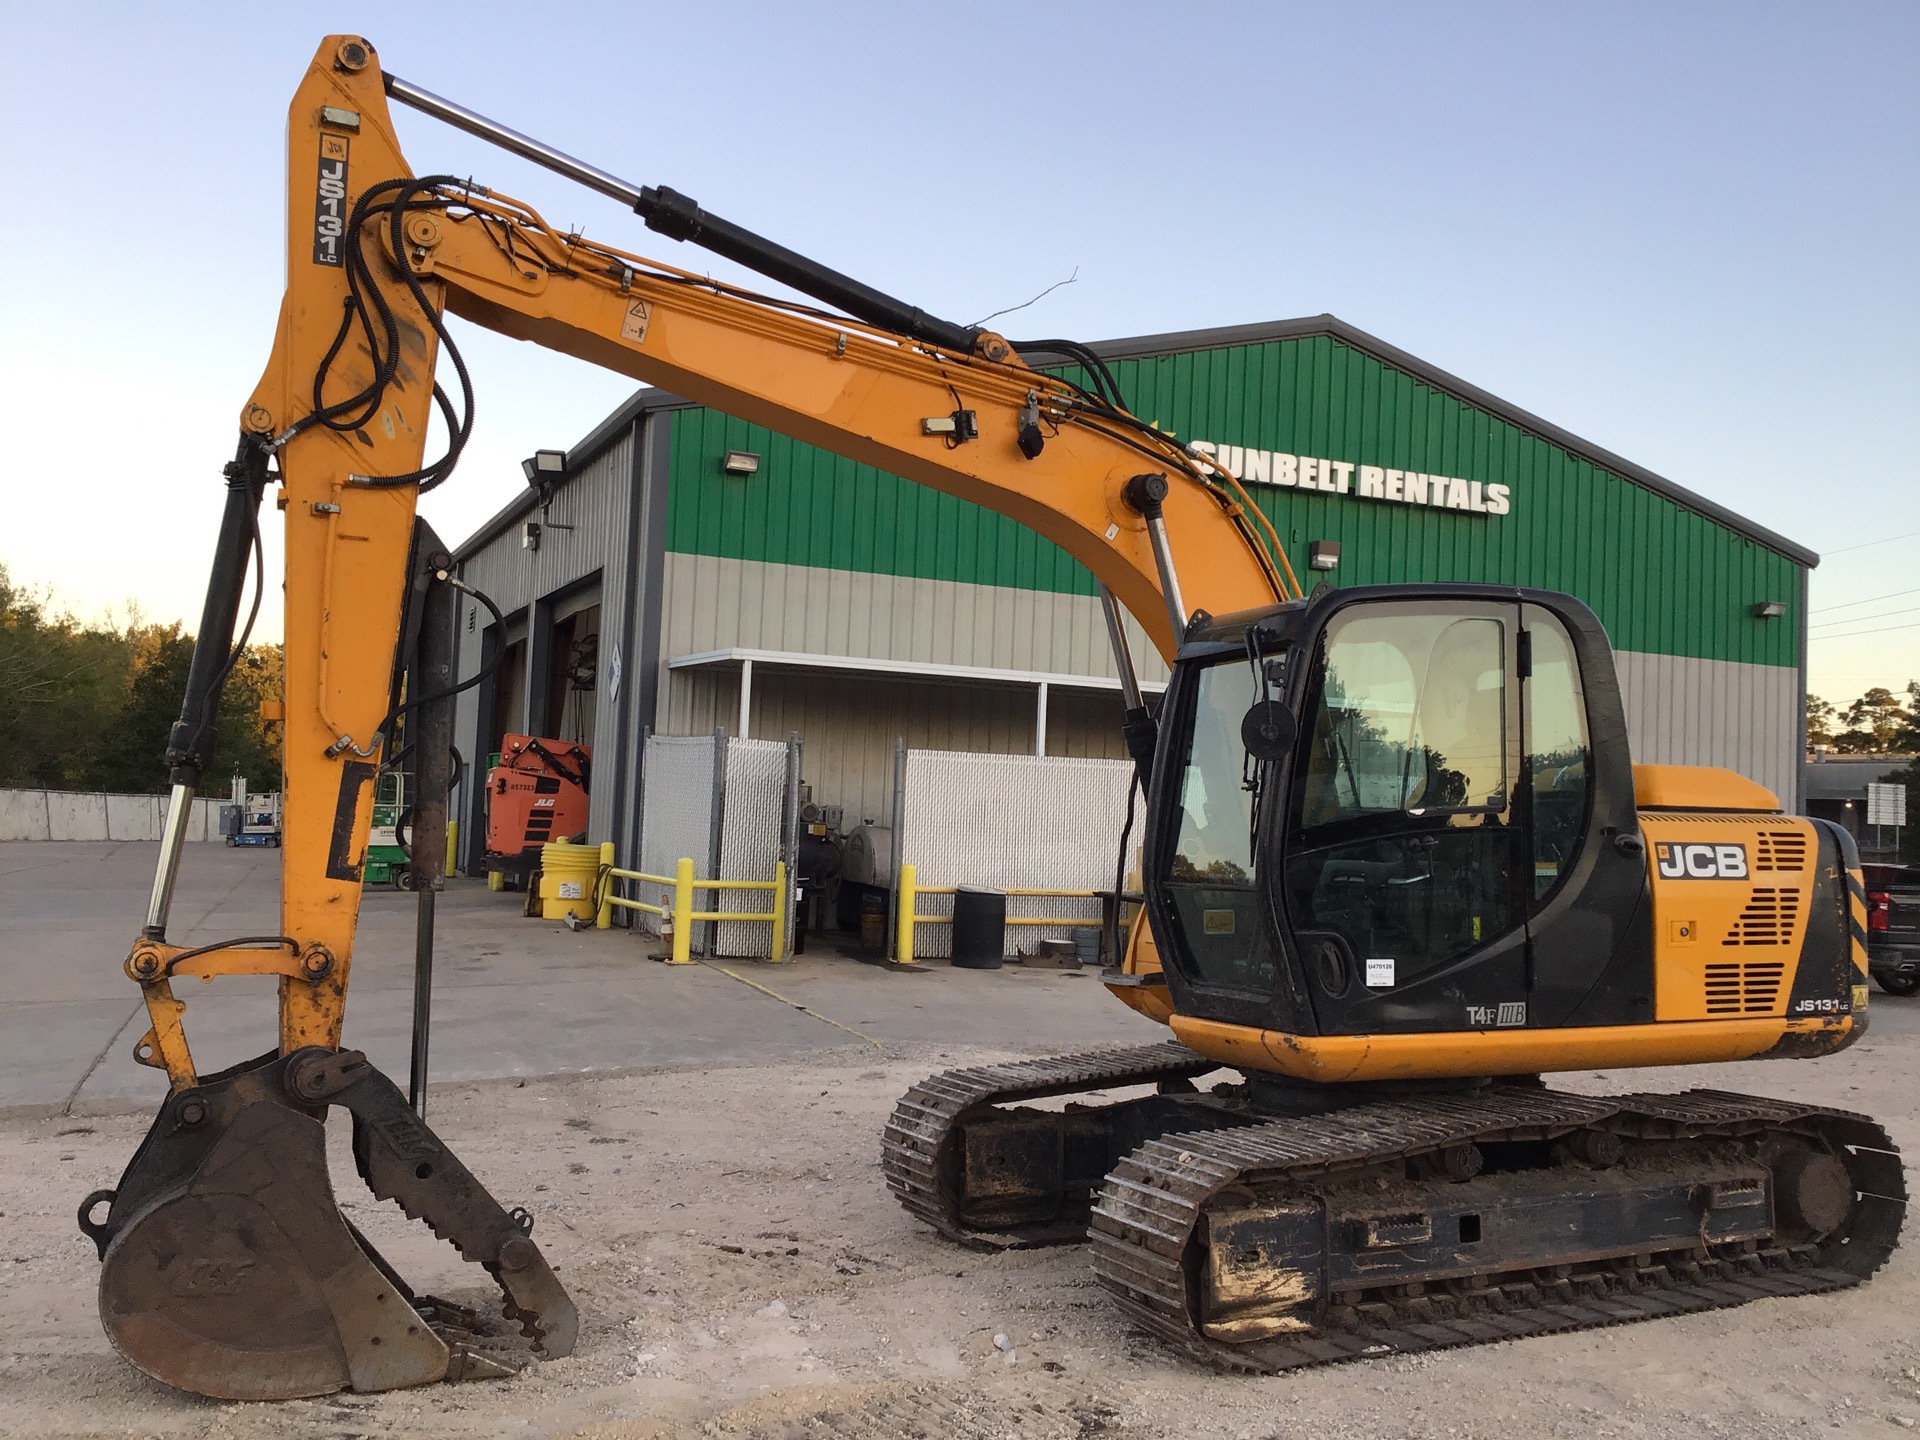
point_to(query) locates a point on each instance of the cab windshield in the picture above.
(1412, 719)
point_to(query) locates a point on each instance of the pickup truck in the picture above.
(1893, 926)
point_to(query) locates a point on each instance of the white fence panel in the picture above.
(753, 838)
(676, 816)
(1035, 822)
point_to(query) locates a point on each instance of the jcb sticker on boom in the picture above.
(1701, 862)
(330, 200)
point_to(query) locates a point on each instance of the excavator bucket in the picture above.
(228, 1269)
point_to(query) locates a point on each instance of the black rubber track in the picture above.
(1145, 1220)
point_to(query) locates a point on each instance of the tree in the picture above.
(91, 706)
(1879, 714)
(1821, 720)
(1909, 736)
(60, 688)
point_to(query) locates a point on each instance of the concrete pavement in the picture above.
(512, 996)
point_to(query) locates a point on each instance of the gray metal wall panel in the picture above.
(712, 603)
(1683, 711)
(596, 502)
(848, 724)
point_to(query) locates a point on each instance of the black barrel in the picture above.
(979, 928)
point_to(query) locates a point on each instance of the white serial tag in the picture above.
(1380, 974)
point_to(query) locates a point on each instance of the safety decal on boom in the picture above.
(1700, 862)
(330, 200)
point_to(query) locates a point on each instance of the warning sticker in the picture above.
(634, 325)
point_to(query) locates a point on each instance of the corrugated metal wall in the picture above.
(598, 503)
(712, 602)
(1664, 580)
(848, 724)
(1713, 712)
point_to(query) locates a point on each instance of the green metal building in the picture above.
(655, 588)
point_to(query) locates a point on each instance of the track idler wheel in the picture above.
(228, 1270)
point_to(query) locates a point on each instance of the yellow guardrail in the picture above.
(911, 889)
(678, 909)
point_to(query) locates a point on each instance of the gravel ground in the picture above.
(742, 1271)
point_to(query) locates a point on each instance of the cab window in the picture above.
(1402, 837)
(1559, 772)
(1217, 913)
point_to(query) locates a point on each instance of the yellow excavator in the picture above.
(1397, 862)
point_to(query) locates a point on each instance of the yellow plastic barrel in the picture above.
(567, 877)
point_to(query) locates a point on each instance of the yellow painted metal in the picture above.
(165, 1043)
(1728, 945)
(1143, 958)
(346, 544)
(905, 919)
(781, 894)
(1333, 1059)
(682, 951)
(603, 914)
(909, 917)
(1698, 787)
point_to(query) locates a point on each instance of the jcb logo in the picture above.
(1701, 862)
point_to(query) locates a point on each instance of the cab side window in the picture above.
(1559, 773)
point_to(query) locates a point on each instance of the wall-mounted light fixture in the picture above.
(1323, 554)
(544, 466)
(1770, 609)
(740, 462)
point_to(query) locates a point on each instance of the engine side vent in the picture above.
(1750, 988)
(1780, 850)
(1768, 919)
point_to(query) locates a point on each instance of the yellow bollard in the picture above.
(682, 913)
(903, 922)
(779, 911)
(603, 918)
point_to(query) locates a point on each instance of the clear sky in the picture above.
(1685, 232)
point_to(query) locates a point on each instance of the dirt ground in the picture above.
(742, 1271)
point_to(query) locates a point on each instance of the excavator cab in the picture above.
(1451, 798)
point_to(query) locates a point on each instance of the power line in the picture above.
(1878, 630)
(1849, 604)
(1885, 540)
(1862, 619)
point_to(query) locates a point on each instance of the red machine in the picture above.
(537, 793)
